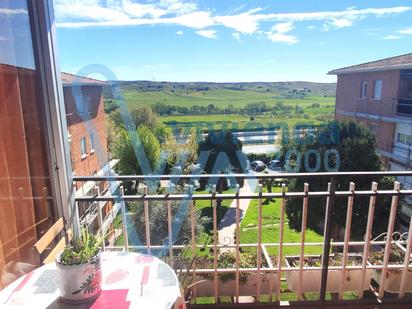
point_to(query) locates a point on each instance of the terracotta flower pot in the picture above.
(81, 282)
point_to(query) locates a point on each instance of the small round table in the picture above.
(130, 280)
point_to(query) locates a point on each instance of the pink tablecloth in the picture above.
(130, 280)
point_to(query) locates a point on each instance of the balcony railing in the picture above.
(404, 106)
(272, 278)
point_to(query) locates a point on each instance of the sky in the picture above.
(228, 40)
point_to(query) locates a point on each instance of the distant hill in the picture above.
(282, 88)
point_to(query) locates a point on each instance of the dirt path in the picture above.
(227, 225)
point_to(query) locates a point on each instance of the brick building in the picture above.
(83, 100)
(85, 117)
(378, 95)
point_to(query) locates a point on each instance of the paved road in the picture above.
(227, 225)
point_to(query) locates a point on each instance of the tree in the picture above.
(112, 133)
(356, 146)
(140, 116)
(225, 154)
(182, 154)
(147, 147)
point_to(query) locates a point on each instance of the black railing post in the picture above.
(327, 238)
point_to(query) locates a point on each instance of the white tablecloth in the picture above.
(130, 280)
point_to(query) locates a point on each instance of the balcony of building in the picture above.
(404, 100)
(261, 264)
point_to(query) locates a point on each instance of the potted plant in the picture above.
(79, 271)
(311, 278)
(393, 276)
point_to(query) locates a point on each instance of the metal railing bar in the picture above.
(391, 225)
(200, 271)
(302, 239)
(215, 243)
(170, 231)
(348, 226)
(147, 222)
(259, 247)
(124, 222)
(192, 206)
(355, 174)
(297, 244)
(327, 239)
(281, 232)
(177, 197)
(368, 237)
(100, 220)
(237, 242)
(406, 260)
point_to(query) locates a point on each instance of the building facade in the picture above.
(85, 117)
(378, 95)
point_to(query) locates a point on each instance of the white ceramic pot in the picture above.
(81, 282)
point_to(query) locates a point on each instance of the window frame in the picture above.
(364, 89)
(83, 105)
(375, 83)
(92, 143)
(83, 147)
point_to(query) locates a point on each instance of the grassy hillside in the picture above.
(295, 95)
(220, 97)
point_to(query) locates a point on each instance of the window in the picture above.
(404, 139)
(377, 93)
(364, 89)
(83, 104)
(92, 143)
(83, 147)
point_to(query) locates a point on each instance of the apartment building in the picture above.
(85, 117)
(378, 94)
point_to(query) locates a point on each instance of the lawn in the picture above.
(205, 206)
(270, 229)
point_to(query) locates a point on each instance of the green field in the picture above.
(220, 97)
(239, 99)
(270, 229)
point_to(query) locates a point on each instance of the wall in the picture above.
(79, 128)
(349, 89)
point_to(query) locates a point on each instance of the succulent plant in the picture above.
(81, 249)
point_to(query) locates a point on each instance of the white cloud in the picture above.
(247, 22)
(179, 32)
(342, 23)
(283, 27)
(392, 37)
(282, 38)
(210, 34)
(405, 31)
(279, 33)
(197, 20)
(117, 13)
(236, 36)
(4, 11)
(87, 13)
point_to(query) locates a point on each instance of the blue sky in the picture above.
(230, 40)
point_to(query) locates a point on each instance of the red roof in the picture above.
(69, 79)
(392, 63)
